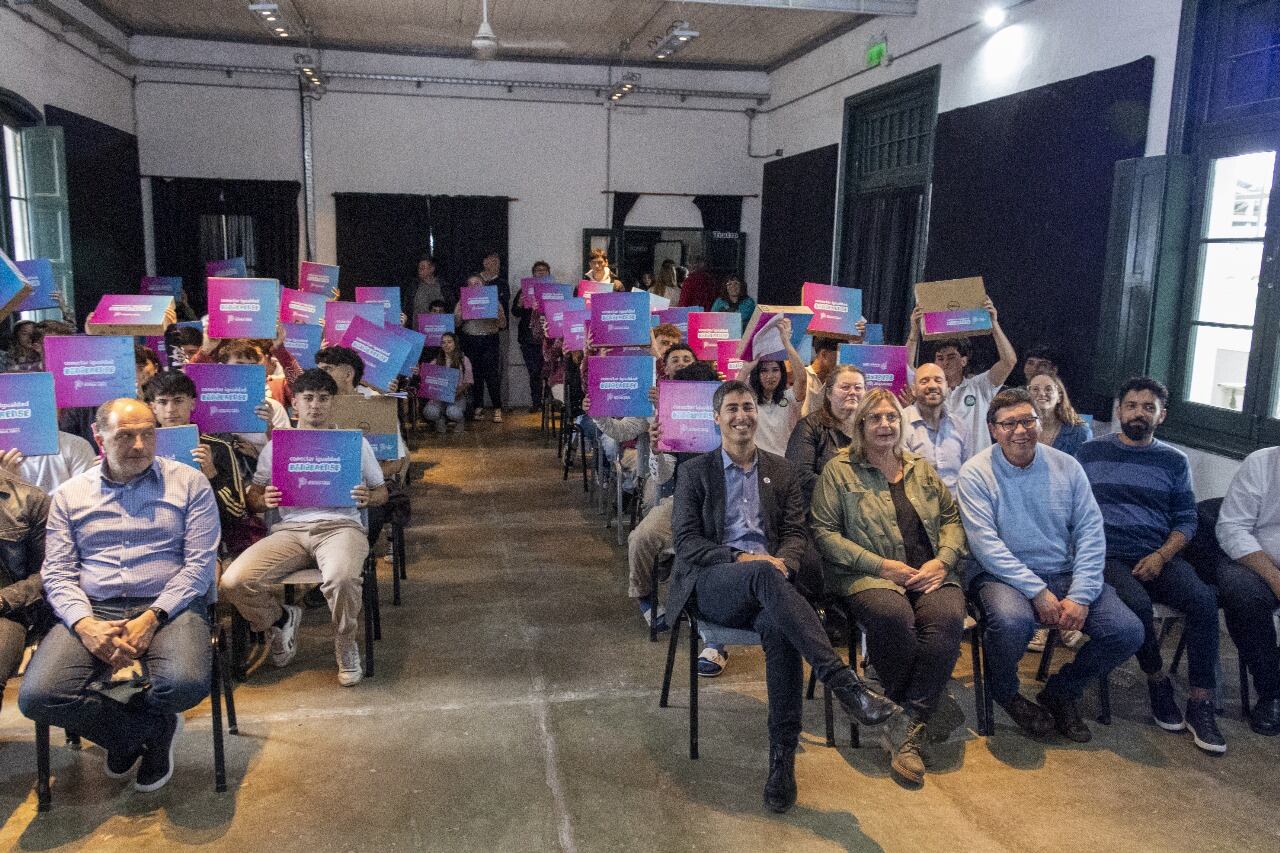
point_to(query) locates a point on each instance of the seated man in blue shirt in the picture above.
(738, 523)
(1143, 487)
(129, 568)
(1036, 532)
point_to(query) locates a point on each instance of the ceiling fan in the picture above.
(485, 42)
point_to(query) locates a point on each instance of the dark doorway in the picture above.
(888, 156)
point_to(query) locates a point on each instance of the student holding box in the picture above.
(970, 395)
(440, 413)
(332, 536)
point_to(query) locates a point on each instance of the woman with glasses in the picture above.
(1060, 427)
(891, 536)
(822, 434)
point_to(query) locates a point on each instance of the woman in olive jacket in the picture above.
(890, 535)
(823, 433)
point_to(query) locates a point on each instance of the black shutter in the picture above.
(1143, 272)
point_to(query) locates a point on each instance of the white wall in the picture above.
(46, 69)
(554, 150)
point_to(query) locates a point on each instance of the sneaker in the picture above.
(479, 413)
(157, 756)
(1203, 724)
(1038, 640)
(712, 661)
(118, 766)
(1072, 639)
(1164, 705)
(945, 719)
(647, 612)
(347, 651)
(442, 426)
(284, 641)
(1029, 716)
(1066, 717)
(902, 738)
(497, 416)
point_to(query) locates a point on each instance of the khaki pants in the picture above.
(648, 539)
(339, 549)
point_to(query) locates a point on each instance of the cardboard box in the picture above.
(953, 308)
(131, 315)
(378, 418)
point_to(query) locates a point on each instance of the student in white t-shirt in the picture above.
(778, 408)
(970, 395)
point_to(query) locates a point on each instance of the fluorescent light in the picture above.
(995, 17)
(624, 86)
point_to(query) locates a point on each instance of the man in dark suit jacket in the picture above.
(739, 529)
(24, 615)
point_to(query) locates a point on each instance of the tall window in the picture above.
(16, 192)
(1228, 370)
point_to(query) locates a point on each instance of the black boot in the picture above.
(780, 787)
(1265, 717)
(858, 701)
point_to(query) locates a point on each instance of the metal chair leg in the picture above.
(368, 592)
(1042, 674)
(813, 683)
(653, 609)
(44, 799)
(215, 712)
(371, 572)
(671, 662)
(1244, 688)
(828, 715)
(402, 554)
(228, 684)
(1104, 700)
(979, 699)
(693, 688)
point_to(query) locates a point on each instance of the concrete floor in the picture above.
(515, 708)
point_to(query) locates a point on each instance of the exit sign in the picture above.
(877, 51)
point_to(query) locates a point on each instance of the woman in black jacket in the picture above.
(821, 435)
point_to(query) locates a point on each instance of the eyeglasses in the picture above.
(889, 418)
(1026, 423)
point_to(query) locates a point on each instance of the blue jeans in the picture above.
(1115, 633)
(55, 688)
(1179, 587)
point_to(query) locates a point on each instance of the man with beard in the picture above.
(739, 531)
(933, 432)
(1035, 529)
(1143, 487)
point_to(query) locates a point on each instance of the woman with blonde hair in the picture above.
(664, 284)
(1060, 427)
(891, 536)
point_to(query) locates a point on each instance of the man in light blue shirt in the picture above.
(129, 567)
(1035, 529)
(932, 431)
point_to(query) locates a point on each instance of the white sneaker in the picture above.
(284, 641)
(1072, 639)
(497, 416)
(1038, 640)
(347, 651)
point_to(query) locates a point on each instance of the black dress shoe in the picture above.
(1066, 717)
(1029, 716)
(780, 787)
(1265, 717)
(860, 702)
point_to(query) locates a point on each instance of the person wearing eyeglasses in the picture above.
(1036, 531)
(891, 537)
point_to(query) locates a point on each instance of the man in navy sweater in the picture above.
(1034, 528)
(1143, 487)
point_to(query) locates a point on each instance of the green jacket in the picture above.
(855, 526)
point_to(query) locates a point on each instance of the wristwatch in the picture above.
(162, 616)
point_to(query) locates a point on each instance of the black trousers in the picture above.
(755, 596)
(533, 364)
(1247, 602)
(913, 641)
(486, 367)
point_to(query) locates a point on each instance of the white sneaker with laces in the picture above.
(497, 416)
(284, 641)
(347, 651)
(1038, 640)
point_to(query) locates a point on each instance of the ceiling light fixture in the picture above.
(624, 86)
(995, 17)
(272, 19)
(679, 34)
